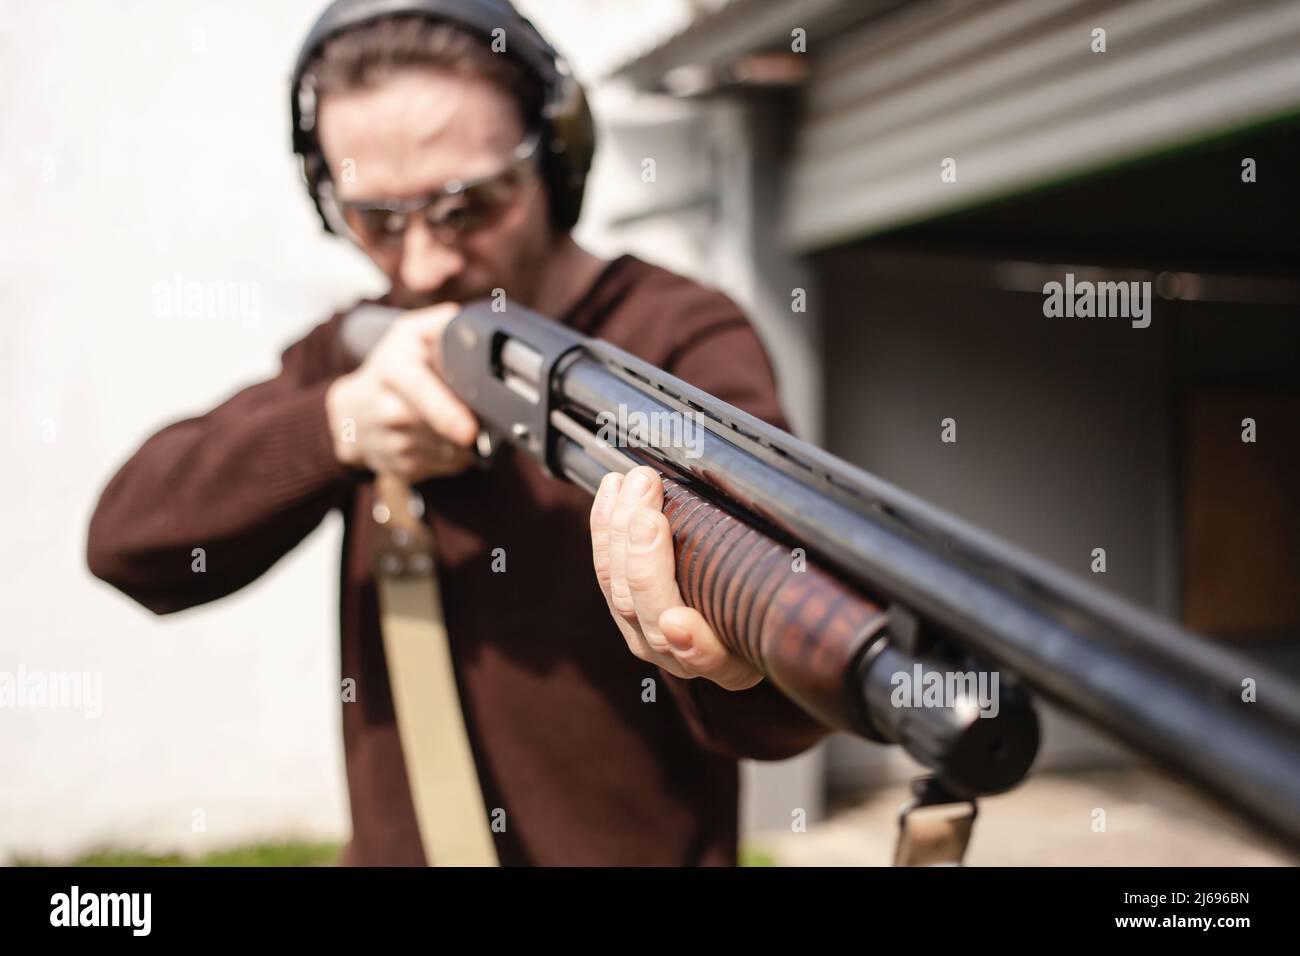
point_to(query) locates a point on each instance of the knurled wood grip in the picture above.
(802, 628)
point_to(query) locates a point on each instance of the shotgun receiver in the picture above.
(901, 616)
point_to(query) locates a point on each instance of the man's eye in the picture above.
(392, 224)
(458, 215)
(495, 192)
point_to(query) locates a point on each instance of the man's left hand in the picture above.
(632, 549)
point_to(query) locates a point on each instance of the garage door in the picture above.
(944, 106)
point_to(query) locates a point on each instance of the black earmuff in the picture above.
(568, 135)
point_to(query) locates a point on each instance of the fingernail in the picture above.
(642, 531)
(608, 487)
(637, 483)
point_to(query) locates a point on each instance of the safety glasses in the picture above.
(461, 207)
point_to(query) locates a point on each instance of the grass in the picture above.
(261, 854)
(752, 856)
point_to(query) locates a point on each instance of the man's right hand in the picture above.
(404, 419)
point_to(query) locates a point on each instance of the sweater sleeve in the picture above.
(244, 483)
(723, 355)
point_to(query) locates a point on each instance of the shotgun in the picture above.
(877, 613)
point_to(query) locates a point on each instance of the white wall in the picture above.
(145, 143)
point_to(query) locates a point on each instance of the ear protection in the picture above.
(567, 134)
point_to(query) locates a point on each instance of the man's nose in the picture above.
(427, 264)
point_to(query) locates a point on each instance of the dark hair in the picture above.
(369, 53)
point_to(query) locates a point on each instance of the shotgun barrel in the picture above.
(894, 593)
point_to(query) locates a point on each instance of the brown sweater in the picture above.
(587, 772)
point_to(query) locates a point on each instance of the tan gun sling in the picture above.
(454, 824)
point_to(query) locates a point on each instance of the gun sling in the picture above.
(440, 769)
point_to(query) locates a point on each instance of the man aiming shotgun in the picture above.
(460, 171)
(499, 716)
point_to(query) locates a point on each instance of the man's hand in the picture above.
(405, 420)
(632, 548)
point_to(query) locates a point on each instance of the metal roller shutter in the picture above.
(1014, 94)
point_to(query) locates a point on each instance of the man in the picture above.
(437, 156)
